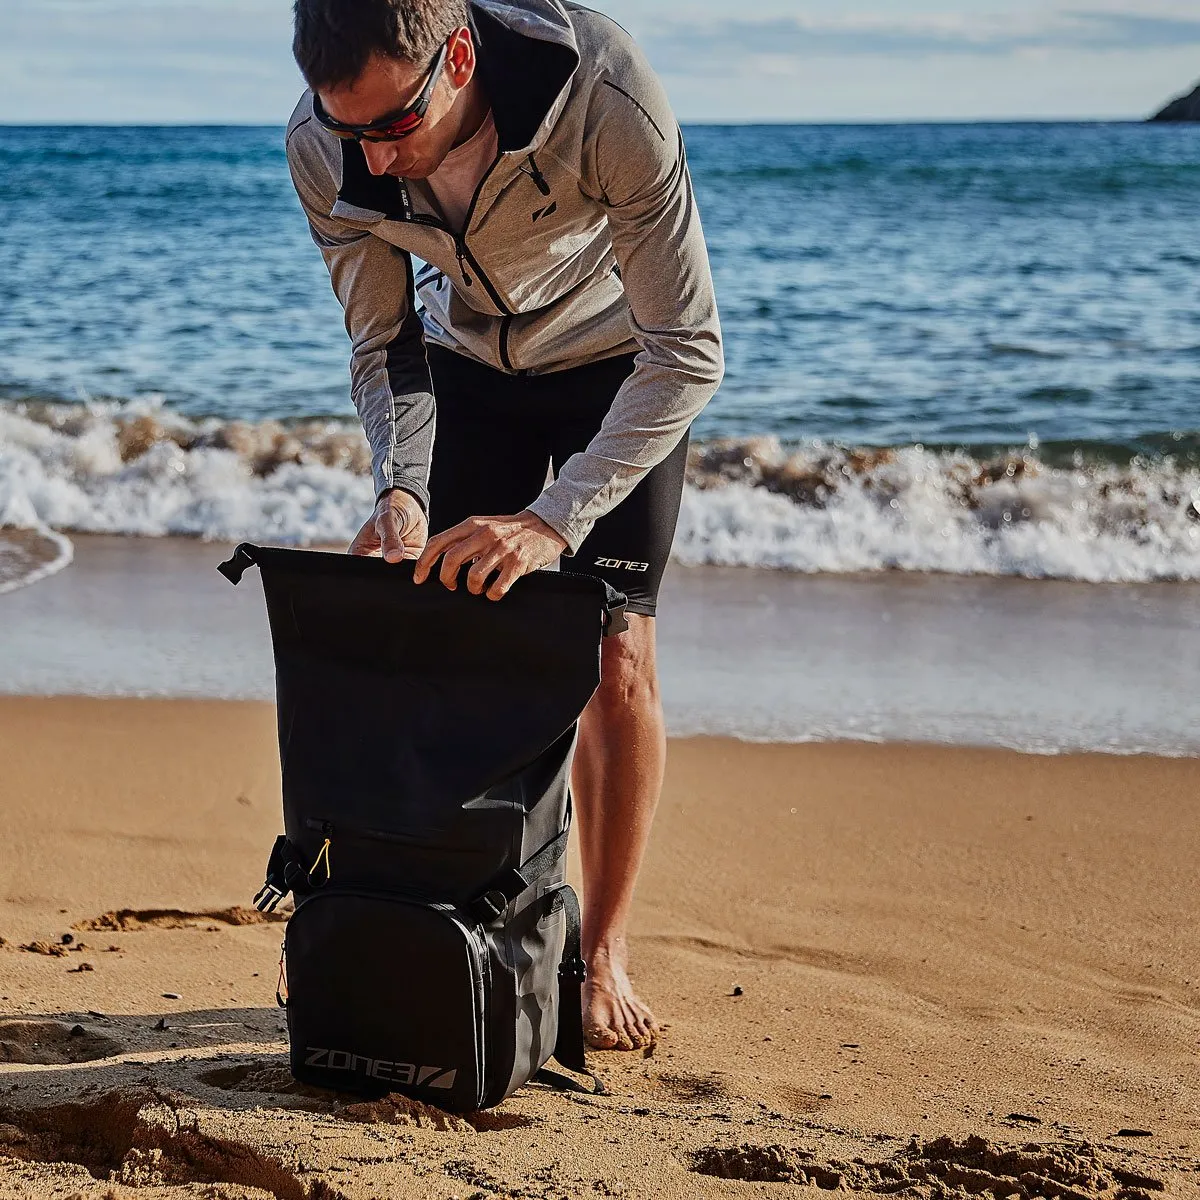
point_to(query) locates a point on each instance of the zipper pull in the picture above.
(462, 266)
(538, 178)
(322, 858)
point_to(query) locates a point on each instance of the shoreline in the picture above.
(928, 940)
(763, 655)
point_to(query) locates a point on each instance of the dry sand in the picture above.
(895, 969)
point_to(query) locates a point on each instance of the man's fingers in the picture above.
(391, 531)
(510, 572)
(366, 540)
(454, 557)
(484, 565)
(432, 552)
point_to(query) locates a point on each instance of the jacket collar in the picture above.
(527, 58)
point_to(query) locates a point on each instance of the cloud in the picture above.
(732, 44)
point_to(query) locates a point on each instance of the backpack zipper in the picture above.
(328, 830)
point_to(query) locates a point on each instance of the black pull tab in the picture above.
(538, 178)
(614, 610)
(462, 266)
(281, 987)
(234, 567)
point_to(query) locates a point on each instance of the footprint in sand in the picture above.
(51, 1043)
(951, 1169)
(141, 1140)
(691, 1089)
(129, 920)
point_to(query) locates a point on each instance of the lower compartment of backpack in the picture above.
(391, 994)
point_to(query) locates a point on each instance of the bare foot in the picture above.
(613, 1017)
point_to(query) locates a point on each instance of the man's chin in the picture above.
(419, 171)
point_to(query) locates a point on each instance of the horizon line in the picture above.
(67, 126)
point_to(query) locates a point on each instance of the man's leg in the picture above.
(616, 781)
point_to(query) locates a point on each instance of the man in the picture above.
(565, 319)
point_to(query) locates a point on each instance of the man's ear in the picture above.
(460, 57)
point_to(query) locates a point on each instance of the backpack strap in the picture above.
(572, 974)
(508, 885)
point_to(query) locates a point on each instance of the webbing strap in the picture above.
(285, 873)
(572, 974)
(508, 885)
(564, 1083)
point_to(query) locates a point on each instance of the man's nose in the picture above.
(379, 155)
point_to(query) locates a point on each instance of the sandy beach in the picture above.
(894, 969)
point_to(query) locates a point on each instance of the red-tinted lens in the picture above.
(397, 129)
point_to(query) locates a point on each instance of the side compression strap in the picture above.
(572, 973)
(508, 885)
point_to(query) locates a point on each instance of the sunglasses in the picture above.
(395, 125)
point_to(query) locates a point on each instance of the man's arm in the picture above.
(635, 160)
(389, 372)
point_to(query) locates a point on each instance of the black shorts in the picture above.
(496, 436)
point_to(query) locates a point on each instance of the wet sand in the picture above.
(913, 970)
(770, 655)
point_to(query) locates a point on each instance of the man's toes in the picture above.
(599, 1037)
(647, 1030)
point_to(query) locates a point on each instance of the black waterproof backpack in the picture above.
(425, 738)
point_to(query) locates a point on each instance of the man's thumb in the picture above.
(390, 535)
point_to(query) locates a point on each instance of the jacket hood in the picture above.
(527, 58)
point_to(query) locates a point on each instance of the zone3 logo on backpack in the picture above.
(434, 948)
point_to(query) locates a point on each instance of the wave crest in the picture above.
(139, 468)
(829, 508)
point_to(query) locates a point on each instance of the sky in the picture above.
(219, 61)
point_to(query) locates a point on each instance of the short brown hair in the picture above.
(334, 38)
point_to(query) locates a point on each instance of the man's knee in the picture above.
(629, 666)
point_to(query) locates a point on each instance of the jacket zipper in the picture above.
(462, 252)
(505, 325)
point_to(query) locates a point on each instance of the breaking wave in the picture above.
(1088, 514)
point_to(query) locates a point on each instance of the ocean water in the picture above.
(963, 348)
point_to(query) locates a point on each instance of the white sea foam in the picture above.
(823, 508)
(141, 469)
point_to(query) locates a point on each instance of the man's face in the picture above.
(389, 84)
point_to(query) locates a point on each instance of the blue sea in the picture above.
(962, 348)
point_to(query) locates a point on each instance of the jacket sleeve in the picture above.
(634, 158)
(389, 372)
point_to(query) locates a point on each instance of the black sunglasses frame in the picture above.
(418, 109)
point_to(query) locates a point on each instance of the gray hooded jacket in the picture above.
(582, 242)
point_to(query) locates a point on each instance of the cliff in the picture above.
(1182, 108)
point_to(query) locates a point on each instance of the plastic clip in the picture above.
(268, 898)
(489, 906)
(234, 567)
(614, 611)
(574, 969)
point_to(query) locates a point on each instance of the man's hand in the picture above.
(513, 546)
(397, 528)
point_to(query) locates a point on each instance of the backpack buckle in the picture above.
(574, 969)
(489, 907)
